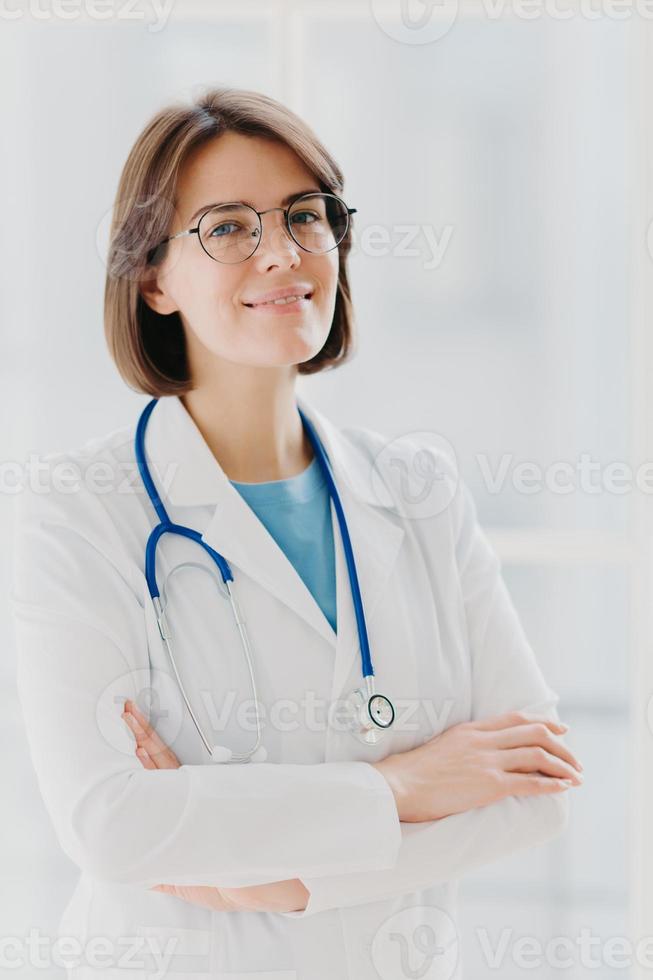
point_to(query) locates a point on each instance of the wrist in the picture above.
(388, 772)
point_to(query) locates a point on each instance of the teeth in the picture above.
(281, 302)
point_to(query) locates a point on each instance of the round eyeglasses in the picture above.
(232, 232)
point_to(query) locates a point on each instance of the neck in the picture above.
(248, 418)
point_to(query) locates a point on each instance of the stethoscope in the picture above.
(370, 713)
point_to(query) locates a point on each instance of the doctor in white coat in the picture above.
(336, 857)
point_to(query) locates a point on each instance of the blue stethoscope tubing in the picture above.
(374, 711)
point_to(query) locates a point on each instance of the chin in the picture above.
(299, 349)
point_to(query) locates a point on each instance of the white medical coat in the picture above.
(447, 646)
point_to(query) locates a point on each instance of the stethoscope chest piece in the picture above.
(370, 714)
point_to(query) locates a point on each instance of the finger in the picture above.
(140, 734)
(537, 759)
(532, 784)
(134, 727)
(143, 726)
(537, 734)
(511, 718)
(145, 759)
(149, 739)
(154, 750)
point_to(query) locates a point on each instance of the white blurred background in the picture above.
(524, 144)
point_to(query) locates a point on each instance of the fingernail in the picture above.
(564, 727)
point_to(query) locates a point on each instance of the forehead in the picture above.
(233, 167)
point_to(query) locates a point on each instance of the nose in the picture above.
(276, 245)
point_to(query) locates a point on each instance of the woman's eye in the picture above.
(311, 214)
(226, 224)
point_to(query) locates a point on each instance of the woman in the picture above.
(310, 864)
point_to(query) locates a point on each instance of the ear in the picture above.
(156, 298)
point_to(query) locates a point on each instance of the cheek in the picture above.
(209, 295)
(334, 266)
(332, 289)
(326, 273)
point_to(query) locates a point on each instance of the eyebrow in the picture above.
(285, 201)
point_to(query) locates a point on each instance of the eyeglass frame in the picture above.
(259, 214)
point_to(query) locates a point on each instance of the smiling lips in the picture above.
(281, 302)
(281, 307)
(293, 295)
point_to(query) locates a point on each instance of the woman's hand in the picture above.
(478, 762)
(277, 896)
(151, 750)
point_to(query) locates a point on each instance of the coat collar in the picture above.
(187, 474)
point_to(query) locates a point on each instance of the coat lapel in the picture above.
(188, 475)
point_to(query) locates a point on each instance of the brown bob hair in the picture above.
(149, 348)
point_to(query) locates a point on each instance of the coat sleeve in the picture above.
(505, 677)
(79, 626)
